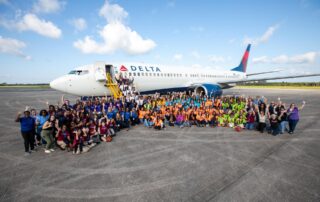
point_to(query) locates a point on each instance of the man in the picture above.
(27, 124)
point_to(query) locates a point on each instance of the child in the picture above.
(78, 142)
(274, 125)
(250, 120)
(63, 138)
(158, 124)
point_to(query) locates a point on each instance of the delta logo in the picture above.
(123, 68)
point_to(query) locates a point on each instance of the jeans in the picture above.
(283, 126)
(28, 138)
(146, 123)
(274, 130)
(249, 126)
(292, 125)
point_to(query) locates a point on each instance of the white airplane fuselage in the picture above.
(90, 80)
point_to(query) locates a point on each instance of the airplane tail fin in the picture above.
(243, 64)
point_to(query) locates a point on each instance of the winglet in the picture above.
(243, 64)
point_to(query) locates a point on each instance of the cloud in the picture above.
(48, 6)
(79, 24)
(305, 58)
(178, 56)
(6, 2)
(115, 35)
(262, 59)
(216, 59)
(113, 13)
(195, 54)
(262, 39)
(13, 47)
(31, 22)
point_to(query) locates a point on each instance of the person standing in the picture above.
(27, 124)
(293, 116)
(283, 119)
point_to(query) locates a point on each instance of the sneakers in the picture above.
(27, 153)
(52, 150)
(47, 151)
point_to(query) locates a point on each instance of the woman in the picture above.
(262, 121)
(48, 129)
(293, 116)
(42, 117)
(283, 119)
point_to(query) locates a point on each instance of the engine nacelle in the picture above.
(208, 89)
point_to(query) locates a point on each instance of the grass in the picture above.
(282, 87)
(25, 86)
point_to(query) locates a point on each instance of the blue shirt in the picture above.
(110, 115)
(126, 116)
(42, 120)
(27, 124)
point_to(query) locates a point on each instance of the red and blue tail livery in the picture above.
(243, 64)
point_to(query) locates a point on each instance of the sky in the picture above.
(41, 40)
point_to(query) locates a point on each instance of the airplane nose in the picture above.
(58, 84)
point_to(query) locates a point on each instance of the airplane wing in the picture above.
(268, 72)
(269, 78)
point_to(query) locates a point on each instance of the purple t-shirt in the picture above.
(294, 114)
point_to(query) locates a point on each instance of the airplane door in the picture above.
(108, 68)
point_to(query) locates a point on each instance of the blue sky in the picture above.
(43, 39)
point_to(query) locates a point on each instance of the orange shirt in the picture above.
(158, 123)
(141, 114)
(208, 103)
(199, 118)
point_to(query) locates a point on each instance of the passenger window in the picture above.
(142, 74)
(130, 74)
(134, 74)
(138, 73)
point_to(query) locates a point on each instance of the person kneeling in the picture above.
(78, 142)
(158, 124)
(63, 138)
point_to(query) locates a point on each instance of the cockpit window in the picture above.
(73, 72)
(79, 72)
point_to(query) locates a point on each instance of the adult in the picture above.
(293, 116)
(47, 133)
(27, 124)
(42, 117)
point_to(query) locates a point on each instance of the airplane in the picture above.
(90, 80)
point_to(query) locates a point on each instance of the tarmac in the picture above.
(189, 164)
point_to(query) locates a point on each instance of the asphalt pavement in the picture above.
(189, 164)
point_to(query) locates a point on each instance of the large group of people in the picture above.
(80, 126)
